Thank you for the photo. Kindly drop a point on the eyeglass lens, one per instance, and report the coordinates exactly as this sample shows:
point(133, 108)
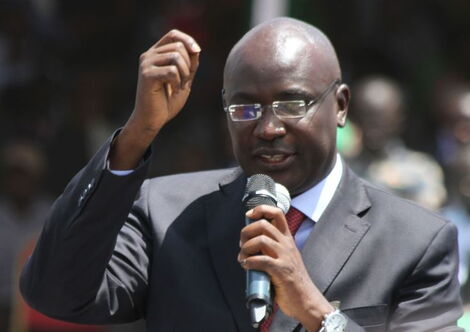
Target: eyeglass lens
point(282, 109)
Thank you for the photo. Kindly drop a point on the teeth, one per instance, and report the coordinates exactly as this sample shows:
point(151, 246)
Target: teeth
point(271, 157)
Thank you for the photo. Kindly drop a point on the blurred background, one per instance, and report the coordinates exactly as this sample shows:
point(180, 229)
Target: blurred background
point(68, 74)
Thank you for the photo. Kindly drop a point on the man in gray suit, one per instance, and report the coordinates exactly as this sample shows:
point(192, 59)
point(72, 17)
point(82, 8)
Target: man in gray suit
point(173, 249)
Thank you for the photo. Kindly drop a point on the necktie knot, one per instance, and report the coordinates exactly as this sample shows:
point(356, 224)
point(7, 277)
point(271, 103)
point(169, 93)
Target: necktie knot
point(294, 219)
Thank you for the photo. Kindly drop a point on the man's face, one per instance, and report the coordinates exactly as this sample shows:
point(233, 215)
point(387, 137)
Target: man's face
point(297, 153)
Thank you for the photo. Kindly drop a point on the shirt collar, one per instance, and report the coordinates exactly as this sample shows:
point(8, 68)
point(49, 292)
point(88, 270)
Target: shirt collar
point(313, 202)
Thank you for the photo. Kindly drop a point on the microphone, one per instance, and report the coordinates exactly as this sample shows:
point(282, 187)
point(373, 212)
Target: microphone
point(283, 198)
point(261, 189)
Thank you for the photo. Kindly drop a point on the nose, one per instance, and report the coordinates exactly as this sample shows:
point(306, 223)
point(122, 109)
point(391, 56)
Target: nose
point(269, 126)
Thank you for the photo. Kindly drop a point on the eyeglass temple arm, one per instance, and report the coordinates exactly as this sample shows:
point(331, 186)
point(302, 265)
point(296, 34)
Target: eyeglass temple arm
point(222, 95)
point(327, 91)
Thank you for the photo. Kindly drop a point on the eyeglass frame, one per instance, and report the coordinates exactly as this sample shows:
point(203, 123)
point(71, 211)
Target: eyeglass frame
point(307, 104)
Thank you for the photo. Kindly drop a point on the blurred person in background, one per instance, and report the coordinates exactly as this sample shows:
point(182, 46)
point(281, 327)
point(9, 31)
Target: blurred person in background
point(452, 113)
point(378, 110)
point(18, 47)
point(457, 210)
point(23, 209)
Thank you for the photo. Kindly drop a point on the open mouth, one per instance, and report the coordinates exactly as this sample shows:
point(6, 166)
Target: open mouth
point(275, 161)
point(273, 158)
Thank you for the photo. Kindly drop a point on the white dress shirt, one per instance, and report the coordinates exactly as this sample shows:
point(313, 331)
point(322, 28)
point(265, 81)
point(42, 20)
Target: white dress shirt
point(314, 201)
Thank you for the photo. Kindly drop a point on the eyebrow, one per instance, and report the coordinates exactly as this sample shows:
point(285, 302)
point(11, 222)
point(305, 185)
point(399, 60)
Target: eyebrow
point(283, 95)
point(243, 96)
point(295, 93)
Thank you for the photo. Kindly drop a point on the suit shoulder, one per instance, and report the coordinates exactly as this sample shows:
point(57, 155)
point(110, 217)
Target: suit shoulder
point(401, 209)
point(165, 197)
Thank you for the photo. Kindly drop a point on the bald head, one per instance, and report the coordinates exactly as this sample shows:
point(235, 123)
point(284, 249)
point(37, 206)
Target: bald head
point(378, 109)
point(281, 44)
point(278, 62)
point(378, 94)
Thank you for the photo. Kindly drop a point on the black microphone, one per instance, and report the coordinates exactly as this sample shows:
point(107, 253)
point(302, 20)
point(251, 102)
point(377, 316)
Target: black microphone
point(261, 189)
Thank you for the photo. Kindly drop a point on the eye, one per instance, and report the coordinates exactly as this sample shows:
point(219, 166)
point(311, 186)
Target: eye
point(290, 109)
point(244, 112)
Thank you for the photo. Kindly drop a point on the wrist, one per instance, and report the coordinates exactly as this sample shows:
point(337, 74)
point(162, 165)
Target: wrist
point(141, 131)
point(315, 315)
point(128, 149)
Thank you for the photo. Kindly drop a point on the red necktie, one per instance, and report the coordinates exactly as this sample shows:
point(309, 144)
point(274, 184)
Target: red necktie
point(294, 219)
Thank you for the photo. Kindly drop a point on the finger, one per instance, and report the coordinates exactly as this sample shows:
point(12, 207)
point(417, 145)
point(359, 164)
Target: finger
point(167, 59)
point(273, 213)
point(193, 69)
point(192, 60)
point(163, 74)
point(194, 63)
point(262, 244)
point(257, 228)
point(176, 35)
point(173, 47)
point(259, 262)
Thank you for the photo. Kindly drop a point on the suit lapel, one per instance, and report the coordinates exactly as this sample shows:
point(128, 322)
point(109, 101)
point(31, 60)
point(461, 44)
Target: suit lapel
point(333, 239)
point(225, 219)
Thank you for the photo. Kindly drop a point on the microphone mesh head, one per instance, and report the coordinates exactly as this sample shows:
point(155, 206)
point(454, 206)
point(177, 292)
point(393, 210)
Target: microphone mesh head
point(257, 183)
point(283, 198)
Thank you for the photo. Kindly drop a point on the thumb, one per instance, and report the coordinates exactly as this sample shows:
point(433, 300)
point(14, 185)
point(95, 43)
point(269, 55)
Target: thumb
point(194, 58)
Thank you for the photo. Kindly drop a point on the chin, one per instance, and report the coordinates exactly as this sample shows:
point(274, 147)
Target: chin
point(285, 181)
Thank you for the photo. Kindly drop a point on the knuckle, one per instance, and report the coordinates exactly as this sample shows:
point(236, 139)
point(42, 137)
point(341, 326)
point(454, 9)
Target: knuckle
point(264, 223)
point(172, 71)
point(264, 240)
point(146, 72)
point(142, 57)
point(174, 57)
point(173, 33)
point(143, 64)
point(260, 208)
point(179, 46)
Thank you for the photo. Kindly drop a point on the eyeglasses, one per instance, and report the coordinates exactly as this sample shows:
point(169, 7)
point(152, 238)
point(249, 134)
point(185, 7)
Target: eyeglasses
point(289, 109)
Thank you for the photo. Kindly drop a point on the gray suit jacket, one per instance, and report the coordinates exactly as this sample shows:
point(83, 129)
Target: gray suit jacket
point(115, 249)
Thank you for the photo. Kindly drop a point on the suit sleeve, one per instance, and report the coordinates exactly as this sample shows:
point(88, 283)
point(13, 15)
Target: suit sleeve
point(429, 299)
point(90, 263)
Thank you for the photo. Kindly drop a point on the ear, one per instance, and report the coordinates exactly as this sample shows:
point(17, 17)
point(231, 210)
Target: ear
point(222, 94)
point(343, 95)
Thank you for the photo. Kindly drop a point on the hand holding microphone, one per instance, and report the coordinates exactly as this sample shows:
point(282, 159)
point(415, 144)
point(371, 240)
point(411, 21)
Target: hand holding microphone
point(268, 250)
point(261, 189)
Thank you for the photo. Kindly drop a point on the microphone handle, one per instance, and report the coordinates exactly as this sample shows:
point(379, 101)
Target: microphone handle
point(258, 294)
